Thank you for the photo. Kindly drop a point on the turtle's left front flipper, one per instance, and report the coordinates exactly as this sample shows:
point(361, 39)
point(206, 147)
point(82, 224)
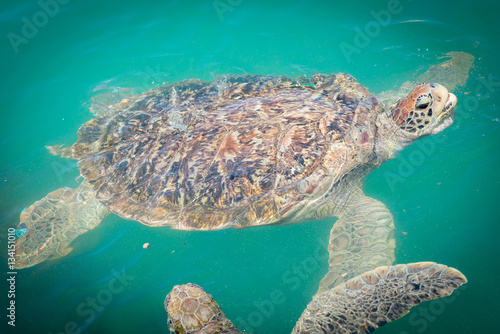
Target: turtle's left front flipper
point(377, 297)
point(191, 310)
point(362, 239)
point(52, 223)
point(451, 73)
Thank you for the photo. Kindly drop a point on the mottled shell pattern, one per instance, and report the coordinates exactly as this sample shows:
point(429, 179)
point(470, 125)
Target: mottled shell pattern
point(235, 152)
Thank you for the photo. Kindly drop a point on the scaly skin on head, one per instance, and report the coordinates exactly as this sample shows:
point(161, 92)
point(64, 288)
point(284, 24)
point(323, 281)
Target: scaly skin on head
point(428, 109)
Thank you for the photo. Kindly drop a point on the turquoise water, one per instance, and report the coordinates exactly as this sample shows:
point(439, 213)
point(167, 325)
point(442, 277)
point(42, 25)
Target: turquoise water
point(444, 203)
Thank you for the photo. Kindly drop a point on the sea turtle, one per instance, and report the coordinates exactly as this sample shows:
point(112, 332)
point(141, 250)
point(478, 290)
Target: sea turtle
point(360, 305)
point(241, 151)
point(238, 152)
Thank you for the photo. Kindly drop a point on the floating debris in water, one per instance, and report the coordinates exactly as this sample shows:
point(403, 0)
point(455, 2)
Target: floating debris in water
point(19, 232)
point(146, 245)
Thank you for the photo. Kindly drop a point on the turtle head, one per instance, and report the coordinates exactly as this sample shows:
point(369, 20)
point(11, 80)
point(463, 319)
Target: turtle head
point(428, 109)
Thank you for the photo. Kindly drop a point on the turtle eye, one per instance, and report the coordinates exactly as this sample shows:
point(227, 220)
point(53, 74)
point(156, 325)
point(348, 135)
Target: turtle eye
point(422, 106)
point(423, 101)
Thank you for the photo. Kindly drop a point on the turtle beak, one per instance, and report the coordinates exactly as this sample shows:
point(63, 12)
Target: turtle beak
point(450, 103)
point(446, 116)
point(443, 100)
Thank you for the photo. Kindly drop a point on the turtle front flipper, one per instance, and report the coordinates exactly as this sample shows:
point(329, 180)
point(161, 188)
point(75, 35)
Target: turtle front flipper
point(451, 73)
point(191, 310)
point(360, 305)
point(53, 222)
point(377, 297)
point(362, 239)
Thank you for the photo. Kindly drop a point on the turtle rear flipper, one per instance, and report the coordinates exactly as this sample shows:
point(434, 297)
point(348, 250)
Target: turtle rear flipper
point(63, 151)
point(377, 297)
point(53, 222)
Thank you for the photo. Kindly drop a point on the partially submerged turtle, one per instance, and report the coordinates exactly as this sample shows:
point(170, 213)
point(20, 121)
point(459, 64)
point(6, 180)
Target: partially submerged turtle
point(359, 305)
point(242, 151)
